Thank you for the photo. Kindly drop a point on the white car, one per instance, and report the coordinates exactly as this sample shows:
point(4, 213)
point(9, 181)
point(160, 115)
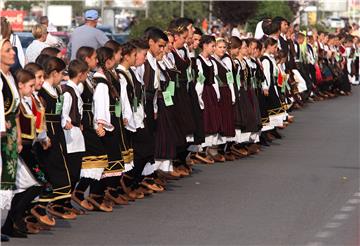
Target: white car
point(335, 22)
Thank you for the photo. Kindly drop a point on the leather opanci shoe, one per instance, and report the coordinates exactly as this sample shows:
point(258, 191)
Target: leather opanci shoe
point(166, 175)
point(31, 225)
point(82, 203)
point(61, 212)
point(229, 157)
point(118, 200)
point(204, 158)
point(239, 152)
point(218, 158)
point(45, 219)
point(103, 206)
point(160, 181)
point(145, 190)
point(152, 186)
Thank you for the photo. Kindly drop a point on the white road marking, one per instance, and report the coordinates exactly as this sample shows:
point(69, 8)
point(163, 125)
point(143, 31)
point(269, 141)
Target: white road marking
point(357, 194)
point(340, 216)
point(323, 234)
point(347, 208)
point(333, 225)
point(354, 201)
point(315, 244)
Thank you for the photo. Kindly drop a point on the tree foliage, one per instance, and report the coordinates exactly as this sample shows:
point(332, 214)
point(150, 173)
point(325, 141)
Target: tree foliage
point(234, 12)
point(77, 6)
point(162, 12)
point(270, 9)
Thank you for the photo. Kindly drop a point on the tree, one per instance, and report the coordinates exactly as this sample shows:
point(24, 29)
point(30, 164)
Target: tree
point(270, 9)
point(162, 12)
point(20, 5)
point(234, 12)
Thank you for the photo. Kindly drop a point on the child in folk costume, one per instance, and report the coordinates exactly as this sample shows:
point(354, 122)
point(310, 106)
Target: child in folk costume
point(181, 60)
point(168, 134)
point(168, 68)
point(225, 78)
point(71, 116)
point(95, 158)
point(208, 92)
point(150, 75)
point(57, 173)
point(256, 49)
point(248, 106)
point(197, 155)
point(269, 86)
point(130, 100)
point(228, 59)
point(107, 113)
point(140, 139)
point(38, 216)
point(127, 151)
point(27, 187)
point(252, 86)
point(282, 85)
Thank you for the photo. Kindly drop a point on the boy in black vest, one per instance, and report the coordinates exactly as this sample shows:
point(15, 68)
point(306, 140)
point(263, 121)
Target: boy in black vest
point(71, 118)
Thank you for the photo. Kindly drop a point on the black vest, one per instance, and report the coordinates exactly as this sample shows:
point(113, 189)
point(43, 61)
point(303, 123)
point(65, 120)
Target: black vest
point(272, 82)
point(221, 71)
point(208, 72)
point(182, 65)
point(74, 114)
point(149, 76)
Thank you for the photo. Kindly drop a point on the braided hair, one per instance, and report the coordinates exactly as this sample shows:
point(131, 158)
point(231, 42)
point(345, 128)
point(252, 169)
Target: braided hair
point(103, 55)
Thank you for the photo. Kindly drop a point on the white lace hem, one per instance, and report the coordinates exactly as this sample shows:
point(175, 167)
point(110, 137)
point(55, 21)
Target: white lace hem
point(92, 173)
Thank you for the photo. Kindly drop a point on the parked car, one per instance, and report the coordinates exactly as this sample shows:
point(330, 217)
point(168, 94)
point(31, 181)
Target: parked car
point(25, 38)
point(335, 22)
point(121, 37)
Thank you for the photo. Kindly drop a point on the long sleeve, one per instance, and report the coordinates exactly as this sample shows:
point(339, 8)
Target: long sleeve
point(266, 66)
point(21, 55)
point(170, 56)
point(2, 113)
point(101, 104)
point(228, 65)
point(127, 112)
point(199, 87)
point(216, 84)
point(125, 104)
point(66, 109)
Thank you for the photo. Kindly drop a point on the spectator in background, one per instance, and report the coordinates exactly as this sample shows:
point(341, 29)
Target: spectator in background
point(87, 34)
point(7, 33)
point(50, 39)
point(33, 51)
point(236, 31)
point(205, 25)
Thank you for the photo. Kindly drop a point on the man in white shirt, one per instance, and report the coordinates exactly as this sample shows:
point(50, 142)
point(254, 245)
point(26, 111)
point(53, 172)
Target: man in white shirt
point(50, 39)
point(34, 49)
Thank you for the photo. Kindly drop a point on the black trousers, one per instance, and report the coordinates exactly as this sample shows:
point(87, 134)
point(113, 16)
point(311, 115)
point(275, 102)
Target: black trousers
point(142, 143)
point(19, 204)
point(74, 161)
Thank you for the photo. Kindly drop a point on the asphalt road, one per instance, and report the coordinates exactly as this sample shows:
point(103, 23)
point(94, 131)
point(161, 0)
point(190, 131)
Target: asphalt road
point(303, 190)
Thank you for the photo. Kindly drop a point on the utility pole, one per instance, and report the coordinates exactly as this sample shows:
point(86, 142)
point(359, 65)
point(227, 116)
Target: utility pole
point(102, 8)
point(147, 9)
point(182, 8)
point(46, 7)
point(210, 11)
